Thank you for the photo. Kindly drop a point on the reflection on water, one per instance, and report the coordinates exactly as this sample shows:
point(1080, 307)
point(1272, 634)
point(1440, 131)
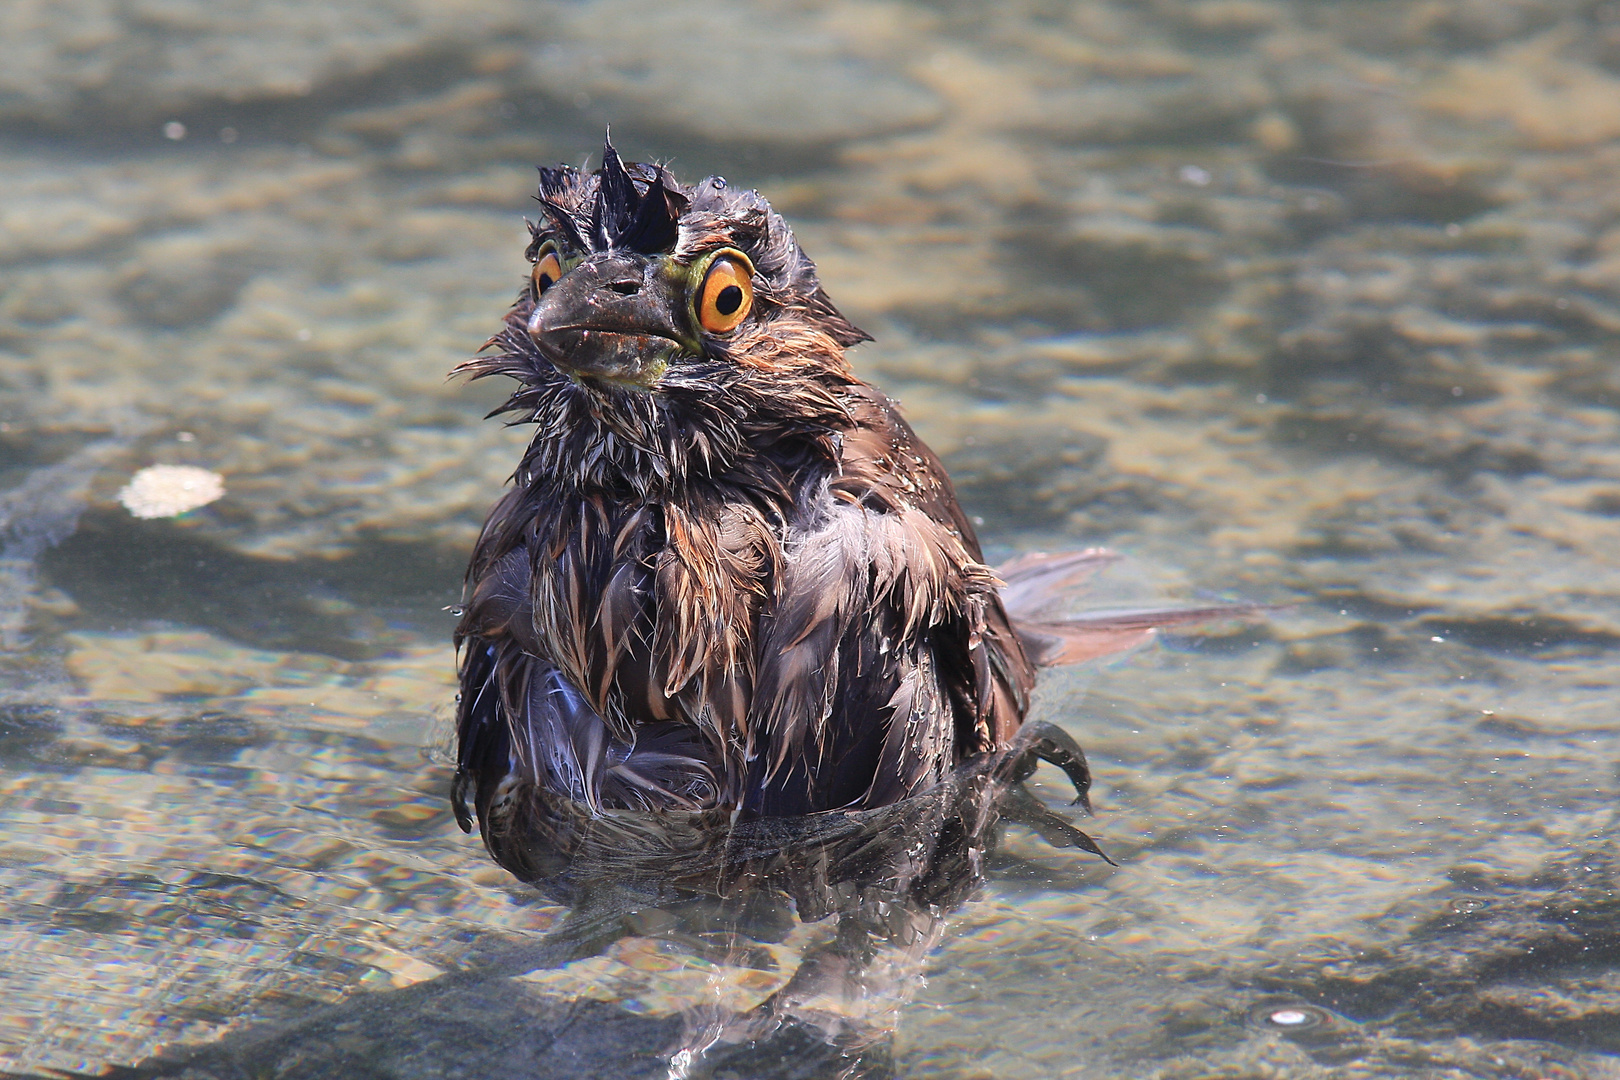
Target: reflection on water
point(1294, 302)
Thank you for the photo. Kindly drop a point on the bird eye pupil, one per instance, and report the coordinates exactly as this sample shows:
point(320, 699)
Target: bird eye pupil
point(726, 294)
point(547, 269)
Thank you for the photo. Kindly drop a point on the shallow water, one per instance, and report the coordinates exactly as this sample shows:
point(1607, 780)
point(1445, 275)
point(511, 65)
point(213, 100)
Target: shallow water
point(1305, 303)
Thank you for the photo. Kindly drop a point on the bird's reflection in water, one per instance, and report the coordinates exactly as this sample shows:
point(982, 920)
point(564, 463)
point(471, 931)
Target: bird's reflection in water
point(885, 879)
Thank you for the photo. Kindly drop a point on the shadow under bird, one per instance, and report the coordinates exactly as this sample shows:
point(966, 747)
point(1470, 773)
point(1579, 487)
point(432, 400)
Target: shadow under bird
point(729, 586)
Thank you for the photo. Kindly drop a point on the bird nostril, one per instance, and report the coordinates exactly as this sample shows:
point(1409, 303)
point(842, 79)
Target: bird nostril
point(625, 288)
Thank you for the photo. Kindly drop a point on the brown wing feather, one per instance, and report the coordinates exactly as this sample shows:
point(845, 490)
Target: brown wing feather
point(889, 455)
point(887, 657)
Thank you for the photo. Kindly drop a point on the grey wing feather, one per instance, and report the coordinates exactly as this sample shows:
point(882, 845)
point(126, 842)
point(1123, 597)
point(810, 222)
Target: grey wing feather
point(1035, 581)
point(557, 737)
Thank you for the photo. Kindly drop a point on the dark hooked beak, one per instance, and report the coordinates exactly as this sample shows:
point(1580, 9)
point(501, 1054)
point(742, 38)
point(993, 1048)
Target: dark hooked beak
point(616, 317)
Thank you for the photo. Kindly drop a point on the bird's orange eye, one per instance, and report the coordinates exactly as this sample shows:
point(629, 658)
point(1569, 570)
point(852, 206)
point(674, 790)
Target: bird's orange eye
point(726, 295)
point(547, 269)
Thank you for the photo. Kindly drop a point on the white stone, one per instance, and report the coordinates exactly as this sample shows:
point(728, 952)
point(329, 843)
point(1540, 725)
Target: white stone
point(160, 491)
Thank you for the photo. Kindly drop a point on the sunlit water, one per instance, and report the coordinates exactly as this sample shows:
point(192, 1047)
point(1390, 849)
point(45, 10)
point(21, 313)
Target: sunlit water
point(1302, 303)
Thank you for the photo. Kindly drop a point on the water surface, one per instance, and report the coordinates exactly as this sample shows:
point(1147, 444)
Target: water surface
point(1297, 302)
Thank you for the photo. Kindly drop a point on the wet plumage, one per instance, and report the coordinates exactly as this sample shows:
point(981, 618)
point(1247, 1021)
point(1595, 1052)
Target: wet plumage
point(728, 578)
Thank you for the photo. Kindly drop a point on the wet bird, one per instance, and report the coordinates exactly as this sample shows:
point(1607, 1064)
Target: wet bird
point(728, 578)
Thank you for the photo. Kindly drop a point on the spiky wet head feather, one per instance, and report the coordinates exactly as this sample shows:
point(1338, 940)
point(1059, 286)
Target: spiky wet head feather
point(643, 208)
point(770, 378)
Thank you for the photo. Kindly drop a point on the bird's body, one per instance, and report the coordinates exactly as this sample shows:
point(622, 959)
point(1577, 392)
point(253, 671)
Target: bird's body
point(746, 584)
point(729, 579)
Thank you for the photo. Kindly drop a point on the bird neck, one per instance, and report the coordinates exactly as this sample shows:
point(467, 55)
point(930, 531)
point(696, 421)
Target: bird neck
point(706, 426)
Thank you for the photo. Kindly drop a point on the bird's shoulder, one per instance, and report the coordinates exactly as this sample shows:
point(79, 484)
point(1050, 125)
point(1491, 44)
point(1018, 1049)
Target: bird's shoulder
point(878, 541)
point(884, 466)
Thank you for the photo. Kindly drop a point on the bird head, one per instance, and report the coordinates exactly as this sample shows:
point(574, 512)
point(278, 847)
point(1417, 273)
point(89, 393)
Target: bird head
point(634, 275)
point(665, 333)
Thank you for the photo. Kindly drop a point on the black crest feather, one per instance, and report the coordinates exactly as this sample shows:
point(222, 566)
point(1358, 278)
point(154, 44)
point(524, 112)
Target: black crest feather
point(555, 185)
point(636, 208)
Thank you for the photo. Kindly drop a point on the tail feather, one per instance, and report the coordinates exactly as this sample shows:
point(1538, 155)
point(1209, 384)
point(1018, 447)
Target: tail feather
point(1103, 633)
